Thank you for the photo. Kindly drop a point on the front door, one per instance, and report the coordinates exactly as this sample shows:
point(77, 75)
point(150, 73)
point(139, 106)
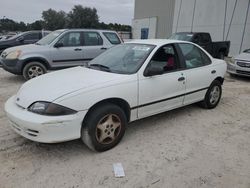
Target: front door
point(159, 93)
point(69, 52)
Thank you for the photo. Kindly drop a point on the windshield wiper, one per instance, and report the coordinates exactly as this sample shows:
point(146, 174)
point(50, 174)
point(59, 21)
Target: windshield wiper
point(37, 43)
point(101, 67)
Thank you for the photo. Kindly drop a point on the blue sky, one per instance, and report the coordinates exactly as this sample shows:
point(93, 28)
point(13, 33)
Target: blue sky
point(119, 11)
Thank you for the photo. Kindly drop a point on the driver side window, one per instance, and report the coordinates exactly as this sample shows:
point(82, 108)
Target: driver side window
point(165, 58)
point(71, 39)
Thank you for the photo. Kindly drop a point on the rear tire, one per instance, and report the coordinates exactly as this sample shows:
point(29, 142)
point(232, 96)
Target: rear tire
point(213, 95)
point(104, 127)
point(33, 69)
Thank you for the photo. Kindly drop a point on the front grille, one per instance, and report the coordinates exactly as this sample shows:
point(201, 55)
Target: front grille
point(29, 132)
point(243, 64)
point(243, 72)
point(32, 132)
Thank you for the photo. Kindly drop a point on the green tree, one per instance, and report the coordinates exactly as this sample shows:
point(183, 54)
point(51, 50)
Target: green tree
point(54, 20)
point(37, 25)
point(83, 17)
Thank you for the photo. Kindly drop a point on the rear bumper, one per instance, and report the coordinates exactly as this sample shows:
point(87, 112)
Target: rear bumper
point(13, 66)
point(44, 129)
point(237, 70)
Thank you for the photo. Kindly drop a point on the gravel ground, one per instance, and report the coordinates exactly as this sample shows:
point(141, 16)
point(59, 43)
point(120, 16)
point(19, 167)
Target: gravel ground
point(187, 147)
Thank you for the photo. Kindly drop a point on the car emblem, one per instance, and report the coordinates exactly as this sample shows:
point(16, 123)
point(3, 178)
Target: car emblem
point(18, 99)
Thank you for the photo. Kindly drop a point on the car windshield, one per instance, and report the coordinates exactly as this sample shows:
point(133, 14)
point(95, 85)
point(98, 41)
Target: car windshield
point(49, 38)
point(182, 36)
point(16, 36)
point(122, 59)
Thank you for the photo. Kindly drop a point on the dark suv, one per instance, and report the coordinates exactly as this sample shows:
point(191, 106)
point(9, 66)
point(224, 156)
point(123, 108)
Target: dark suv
point(28, 37)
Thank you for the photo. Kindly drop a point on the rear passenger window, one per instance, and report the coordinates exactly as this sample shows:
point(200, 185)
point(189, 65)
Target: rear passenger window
point(112, 37)
point(205, 38)
point(194, 57)
point(92, 39)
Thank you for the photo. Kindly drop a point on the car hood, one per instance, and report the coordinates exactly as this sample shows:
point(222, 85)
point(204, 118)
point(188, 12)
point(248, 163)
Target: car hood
point(25, 48)
point(243, 56)
point(52, 86)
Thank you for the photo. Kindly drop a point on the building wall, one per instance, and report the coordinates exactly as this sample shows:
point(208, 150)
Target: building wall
point(224, 19)
point(221, 18)
point(162, 10)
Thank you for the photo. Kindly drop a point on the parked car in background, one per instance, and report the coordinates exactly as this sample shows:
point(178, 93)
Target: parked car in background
point(216, 49)
point(28, 37)
point(128, 82)
point(5, 37)
point(60, 49)
point(240, 65)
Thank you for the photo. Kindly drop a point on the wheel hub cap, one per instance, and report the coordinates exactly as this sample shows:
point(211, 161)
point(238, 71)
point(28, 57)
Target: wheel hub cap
point(214, 95)
point(35, 71)
point(108, 129)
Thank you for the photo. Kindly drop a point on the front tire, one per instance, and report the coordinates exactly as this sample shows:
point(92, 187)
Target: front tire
point(33, 69)
point(213, 95)
point(104, 127)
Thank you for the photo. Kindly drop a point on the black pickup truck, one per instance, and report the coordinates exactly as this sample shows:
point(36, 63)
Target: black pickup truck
point(216, 49)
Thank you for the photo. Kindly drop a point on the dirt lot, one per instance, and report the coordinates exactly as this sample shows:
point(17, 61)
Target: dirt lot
point(188, 147)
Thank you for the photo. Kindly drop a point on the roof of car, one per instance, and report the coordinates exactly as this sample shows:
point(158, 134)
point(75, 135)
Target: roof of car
point(79, 29)
point(157, 42)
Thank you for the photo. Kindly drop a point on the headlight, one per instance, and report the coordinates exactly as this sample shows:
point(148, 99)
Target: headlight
point(13, 54)
point(50, 109)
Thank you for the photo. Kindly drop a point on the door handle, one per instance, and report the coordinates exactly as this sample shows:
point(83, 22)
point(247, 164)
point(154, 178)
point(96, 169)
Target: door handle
point(78, 49)
point(181, 79)
point(213, 71)
point(103, 48)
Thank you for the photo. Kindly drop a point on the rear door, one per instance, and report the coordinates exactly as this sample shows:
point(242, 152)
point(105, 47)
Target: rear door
point(70, 52)
point(199, 72)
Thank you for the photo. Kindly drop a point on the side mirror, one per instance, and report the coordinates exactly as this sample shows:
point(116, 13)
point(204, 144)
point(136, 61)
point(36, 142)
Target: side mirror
point(20, 39)
point(58, 45)
point(152, 71)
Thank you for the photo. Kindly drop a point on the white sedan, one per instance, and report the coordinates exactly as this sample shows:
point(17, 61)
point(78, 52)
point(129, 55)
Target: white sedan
point(126, 83)
point(240, 64)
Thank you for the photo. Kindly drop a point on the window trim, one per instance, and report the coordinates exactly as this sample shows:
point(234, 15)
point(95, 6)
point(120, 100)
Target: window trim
point(183, 58)
point(104, 33)
point(83, 40)
point(179, 64)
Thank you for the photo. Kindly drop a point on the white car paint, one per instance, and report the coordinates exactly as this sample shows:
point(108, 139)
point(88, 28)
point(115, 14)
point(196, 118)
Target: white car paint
point(80, 88)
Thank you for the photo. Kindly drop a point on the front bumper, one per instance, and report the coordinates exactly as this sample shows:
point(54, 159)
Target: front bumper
point(12, 65)
point(44, 129)
point(237, 70)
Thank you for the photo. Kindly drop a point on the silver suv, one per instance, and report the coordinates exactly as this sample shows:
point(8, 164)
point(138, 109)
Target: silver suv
point(60, 49)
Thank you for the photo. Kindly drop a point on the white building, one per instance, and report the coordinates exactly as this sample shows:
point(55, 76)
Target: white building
point(223, 19)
